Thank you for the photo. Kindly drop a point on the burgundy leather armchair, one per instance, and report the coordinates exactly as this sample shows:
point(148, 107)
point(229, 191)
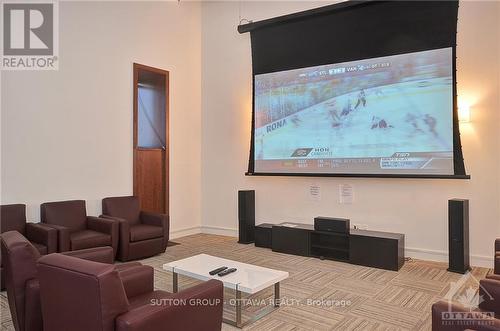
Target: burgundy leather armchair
point(43, 238)
point(98, 300)
point(75, 229)
point(23, 290)
point(482, 320)
point(142, 234)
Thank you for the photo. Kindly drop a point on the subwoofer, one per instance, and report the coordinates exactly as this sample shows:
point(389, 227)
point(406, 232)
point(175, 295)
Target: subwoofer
point(246, 216)
point(458, 235)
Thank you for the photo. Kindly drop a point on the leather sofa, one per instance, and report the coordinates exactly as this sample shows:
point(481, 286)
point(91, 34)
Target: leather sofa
point(447, 316)
point(98, 300)
point(75, 229)
point(142, 234)
point(43, 238)
point(23, 290)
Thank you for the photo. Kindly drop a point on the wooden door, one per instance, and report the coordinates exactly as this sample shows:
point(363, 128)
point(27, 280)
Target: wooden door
point(151, 161)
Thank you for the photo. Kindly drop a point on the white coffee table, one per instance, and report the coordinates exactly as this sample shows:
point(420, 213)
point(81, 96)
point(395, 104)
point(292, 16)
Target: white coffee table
point(248, 279)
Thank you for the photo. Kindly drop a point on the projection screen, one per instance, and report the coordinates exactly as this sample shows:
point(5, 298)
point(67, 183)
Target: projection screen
point(357, 89)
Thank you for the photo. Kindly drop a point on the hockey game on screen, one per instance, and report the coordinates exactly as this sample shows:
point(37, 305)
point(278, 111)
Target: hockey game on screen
point(389, 114)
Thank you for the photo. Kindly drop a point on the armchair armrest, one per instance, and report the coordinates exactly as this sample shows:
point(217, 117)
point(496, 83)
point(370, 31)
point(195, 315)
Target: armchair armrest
point(123, 235)
point(123, 225)
point(191, 316)
point(158, 220)
point(137, 280)
point(96, 254)
point(490, 325)
point(447, 317)
point(42, 234)
point(32, 305)
point(489, 291)
point(493, 276)
point(105, 225)
point(63, 234)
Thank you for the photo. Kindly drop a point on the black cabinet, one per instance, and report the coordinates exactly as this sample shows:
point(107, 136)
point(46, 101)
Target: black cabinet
point(376, 249)
point(330, 245)
point(291, 240)
point(263, 235)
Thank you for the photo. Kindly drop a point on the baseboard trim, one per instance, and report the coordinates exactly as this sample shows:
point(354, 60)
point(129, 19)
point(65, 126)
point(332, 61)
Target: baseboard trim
point(184, 232)
point(442, 256)
point(219, 230)
point(426, 254)
point(416, 253)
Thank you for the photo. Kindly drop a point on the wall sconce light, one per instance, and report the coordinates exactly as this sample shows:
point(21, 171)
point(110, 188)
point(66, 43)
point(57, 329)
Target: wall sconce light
point(464, 113)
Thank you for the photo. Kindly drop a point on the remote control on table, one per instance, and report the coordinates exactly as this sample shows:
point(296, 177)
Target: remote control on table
point(226, 272)
point(216, 271)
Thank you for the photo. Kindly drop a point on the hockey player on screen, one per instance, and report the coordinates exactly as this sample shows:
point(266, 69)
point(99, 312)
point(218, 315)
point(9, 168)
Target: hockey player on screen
point(431, 123)
point(347, 109)
point(333, 113)
point(296, 120)
point(335, 118)
point(361, 99)
point(413, 121)
point(380, 123)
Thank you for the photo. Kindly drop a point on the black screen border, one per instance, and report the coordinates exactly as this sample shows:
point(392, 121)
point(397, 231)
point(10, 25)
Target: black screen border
point(458, 167)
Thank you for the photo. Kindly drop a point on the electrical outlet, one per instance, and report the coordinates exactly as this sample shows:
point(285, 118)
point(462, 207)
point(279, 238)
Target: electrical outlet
point(360, 226)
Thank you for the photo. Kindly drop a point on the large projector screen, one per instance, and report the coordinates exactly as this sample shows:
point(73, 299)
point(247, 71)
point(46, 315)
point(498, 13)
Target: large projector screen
point(358, 88)
point(382, 115)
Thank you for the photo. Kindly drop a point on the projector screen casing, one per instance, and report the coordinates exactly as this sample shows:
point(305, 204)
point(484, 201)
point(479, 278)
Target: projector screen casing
point(352, 31)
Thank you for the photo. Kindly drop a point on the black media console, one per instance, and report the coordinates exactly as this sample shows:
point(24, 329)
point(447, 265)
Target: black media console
point(376, 249)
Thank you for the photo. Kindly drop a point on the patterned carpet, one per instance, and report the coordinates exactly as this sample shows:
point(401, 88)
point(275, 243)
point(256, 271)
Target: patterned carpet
point(318, 295)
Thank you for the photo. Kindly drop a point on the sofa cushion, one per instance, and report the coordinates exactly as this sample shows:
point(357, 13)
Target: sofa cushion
point(149, 298)
point(142, 232)
point(71, 214)
point(13, 218)
point(78, 294)
point(88, 239)
point(127, 208)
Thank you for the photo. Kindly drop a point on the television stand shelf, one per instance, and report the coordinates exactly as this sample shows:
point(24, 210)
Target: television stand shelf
point(330, 245)
point(376, 249)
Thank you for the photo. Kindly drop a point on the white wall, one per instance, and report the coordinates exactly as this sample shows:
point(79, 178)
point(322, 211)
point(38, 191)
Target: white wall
point(417, 208)
point(67, 134)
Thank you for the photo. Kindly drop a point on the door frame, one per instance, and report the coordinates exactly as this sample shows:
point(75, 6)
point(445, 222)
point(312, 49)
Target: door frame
point(166, 159)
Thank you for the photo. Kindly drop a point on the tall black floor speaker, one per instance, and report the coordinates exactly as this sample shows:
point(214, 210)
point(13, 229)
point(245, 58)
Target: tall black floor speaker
point(246, 216)
point(458, 235)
